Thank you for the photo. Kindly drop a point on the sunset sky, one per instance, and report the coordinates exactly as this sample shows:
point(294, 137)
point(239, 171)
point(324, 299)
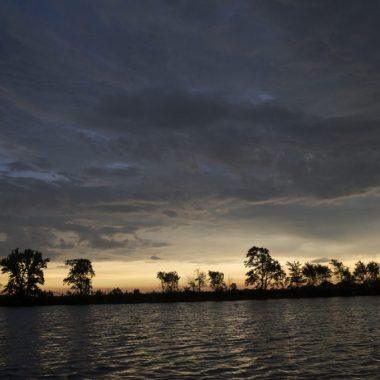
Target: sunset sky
point(174, 135)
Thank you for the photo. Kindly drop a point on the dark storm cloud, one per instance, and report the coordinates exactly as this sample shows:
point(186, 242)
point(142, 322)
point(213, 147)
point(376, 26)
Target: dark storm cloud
point(19, 166)
point(111, 172)
point(177, 109)
point(126, 113)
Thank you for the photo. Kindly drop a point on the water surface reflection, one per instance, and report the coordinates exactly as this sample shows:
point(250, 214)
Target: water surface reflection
point(309, 338)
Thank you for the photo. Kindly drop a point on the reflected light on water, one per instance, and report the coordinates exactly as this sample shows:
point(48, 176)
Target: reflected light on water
point(309, 338)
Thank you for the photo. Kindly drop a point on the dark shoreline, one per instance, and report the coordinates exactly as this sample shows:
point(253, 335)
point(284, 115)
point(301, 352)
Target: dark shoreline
point(324, 291)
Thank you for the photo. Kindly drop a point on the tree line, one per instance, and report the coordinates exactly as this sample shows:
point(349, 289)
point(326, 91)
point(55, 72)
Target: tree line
point(197, 282)
point(265, 272)
point(25, 271)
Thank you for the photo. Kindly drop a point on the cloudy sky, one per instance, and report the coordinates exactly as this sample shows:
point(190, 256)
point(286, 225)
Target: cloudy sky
point(149, 135)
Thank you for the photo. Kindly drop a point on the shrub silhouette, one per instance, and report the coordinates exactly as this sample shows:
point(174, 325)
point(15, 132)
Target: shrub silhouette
point(116, 292)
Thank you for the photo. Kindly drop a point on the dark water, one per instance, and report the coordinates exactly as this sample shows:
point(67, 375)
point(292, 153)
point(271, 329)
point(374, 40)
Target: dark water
point(289, 339)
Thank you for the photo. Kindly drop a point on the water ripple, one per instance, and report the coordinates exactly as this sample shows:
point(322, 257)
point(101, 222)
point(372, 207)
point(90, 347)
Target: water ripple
point(276, 339)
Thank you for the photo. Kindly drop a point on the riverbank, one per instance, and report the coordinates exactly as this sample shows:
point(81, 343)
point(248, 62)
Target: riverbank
point(327, 290)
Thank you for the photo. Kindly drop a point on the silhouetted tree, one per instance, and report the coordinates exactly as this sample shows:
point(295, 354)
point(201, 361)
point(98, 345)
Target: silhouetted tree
point(80, 275)
point(360, 272)
point(295, 277)
point(216, 280)
point(25, 270)
point(265, 270)
point(373, 271)
point(200, 279)
point(192, 285)
point(197, 281)
point(161, 276)
point(310, 273)
point(323, 273)
point(116, 292)
point(315, 274)
point(340, 271)
point(233, 287)
point(169, 281)
point(279, 278)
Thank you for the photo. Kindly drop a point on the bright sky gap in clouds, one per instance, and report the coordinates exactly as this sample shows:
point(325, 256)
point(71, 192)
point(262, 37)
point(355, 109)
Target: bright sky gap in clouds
point(160, 135)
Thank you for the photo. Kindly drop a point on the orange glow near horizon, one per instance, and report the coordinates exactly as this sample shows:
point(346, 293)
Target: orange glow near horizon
point(142, 274)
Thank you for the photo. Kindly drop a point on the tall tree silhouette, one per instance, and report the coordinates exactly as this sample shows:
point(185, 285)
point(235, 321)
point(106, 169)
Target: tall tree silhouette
point(80, 275)
point(169, 281)
point(265, 270)
point(340, 271)
point(310, 273)
point(366, 273)
point(373, 271)
point(192, 284)
point(315, 274)
point(323, 273)
point(216, 280)
point(197, 281)
point(295, 277)
point(200, 279)
point(25, 270)
point(360, 272)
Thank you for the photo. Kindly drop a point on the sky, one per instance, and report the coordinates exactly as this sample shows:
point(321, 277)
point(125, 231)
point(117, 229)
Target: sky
point(175, 135)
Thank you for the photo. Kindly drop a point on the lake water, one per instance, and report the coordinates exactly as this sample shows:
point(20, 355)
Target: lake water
point(337, 338)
